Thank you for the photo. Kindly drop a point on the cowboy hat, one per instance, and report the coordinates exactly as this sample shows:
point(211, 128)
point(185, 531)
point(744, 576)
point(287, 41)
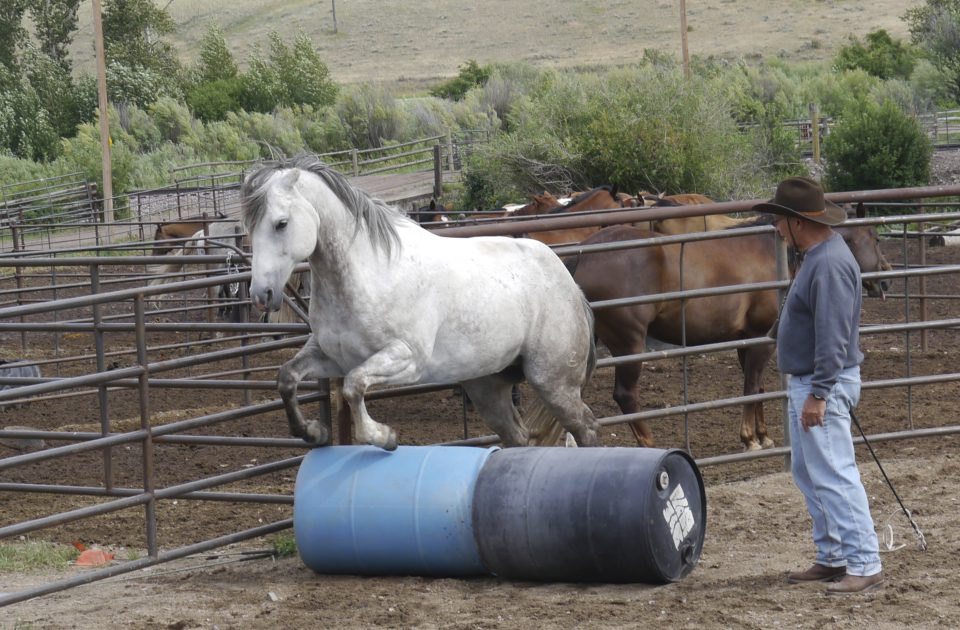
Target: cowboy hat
point(803, 197)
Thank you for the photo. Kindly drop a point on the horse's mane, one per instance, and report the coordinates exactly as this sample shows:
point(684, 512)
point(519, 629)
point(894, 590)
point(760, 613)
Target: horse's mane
point(379, 218)
point(610, 189)
point(764, 218)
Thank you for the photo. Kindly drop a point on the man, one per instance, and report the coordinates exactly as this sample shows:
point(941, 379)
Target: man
point(818, 348)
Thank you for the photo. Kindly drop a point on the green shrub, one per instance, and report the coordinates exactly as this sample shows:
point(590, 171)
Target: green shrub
point(273, 135)
point(470, 75)
point(879, 55)
point(174, 121)
point(371, 115)
point(225, 140)
point(14, 170)
point(876, 146)
point(82, 154)
point(212, 100)
point(321, 129)
point(142, 128)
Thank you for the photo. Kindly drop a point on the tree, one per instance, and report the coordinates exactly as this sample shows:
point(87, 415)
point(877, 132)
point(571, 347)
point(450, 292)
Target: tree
point(301, 76)
point(307, 78)
point(12, 33)
point(54, 24)
point(286, 77)
point(215, 62)
point(132, 32)
point(880, 55)
point(935, 29)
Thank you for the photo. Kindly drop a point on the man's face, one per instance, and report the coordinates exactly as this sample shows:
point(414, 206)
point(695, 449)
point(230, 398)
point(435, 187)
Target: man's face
point(785, 230)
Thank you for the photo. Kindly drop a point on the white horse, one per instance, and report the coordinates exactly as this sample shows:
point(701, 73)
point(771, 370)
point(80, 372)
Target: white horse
point(393, 304)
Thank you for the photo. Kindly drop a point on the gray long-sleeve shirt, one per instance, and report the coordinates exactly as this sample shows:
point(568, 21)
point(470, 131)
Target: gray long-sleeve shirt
point(819, 326)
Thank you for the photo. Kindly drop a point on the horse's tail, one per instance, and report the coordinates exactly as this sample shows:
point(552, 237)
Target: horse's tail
point(592, 356)
point(542, 426)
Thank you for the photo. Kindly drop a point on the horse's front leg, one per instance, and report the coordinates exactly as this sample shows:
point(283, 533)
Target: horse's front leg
point(395, 364)
point(309, 362)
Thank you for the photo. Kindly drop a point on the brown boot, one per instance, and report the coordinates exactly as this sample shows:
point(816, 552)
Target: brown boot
point(817, 573)
point(852, 584)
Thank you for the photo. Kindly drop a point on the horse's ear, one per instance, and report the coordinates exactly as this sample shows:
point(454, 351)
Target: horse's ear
point(290, 177)
point(861, 211)
point(613, 191)
point(433, 205)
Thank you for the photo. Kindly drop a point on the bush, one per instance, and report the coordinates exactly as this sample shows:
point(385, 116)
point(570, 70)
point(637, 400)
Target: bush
point(274, 135)
point(371, 115)
point(880, 56)
point(212, 100)
point(876, 146)
point(471, 75)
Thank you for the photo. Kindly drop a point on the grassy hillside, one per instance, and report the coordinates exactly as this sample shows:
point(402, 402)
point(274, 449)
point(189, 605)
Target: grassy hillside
point(410, 42)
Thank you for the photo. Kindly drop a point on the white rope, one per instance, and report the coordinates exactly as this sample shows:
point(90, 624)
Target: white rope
point(886, 535)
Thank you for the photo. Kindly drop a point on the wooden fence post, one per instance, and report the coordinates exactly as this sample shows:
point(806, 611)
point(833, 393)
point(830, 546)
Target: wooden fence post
point(450, 164)
point(815, 132)
point(437, 172)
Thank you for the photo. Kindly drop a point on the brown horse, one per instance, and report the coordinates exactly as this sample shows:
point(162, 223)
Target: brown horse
point(600, 198)
point(207, 237)
point(686, 225)
point(714, 263)
point(184, 229)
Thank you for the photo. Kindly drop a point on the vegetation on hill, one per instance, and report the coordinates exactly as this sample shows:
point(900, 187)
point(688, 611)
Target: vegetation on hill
point(642, 126)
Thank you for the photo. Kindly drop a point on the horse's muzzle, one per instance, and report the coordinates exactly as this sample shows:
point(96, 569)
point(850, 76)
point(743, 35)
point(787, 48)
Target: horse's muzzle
point(877, 289)
point(265, 299)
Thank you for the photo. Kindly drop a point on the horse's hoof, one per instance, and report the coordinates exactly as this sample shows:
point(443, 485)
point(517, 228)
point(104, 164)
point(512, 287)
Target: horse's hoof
point(316, 434)
point(752, 446)
point(391, 443)
point(767, 443)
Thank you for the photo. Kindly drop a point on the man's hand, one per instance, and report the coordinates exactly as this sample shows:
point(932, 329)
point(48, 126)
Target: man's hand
point(813, 410)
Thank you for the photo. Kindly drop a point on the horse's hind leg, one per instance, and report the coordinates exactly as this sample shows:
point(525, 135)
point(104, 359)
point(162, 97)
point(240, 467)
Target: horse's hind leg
point(491, 395)
point(309, 362)
point(559, 389)
point(563, 402)
point(753, 428)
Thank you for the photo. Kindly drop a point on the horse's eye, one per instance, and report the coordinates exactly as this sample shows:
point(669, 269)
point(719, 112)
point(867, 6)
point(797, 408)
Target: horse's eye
point(281, 224)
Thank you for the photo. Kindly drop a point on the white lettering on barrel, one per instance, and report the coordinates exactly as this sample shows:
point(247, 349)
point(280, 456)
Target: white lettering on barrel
point(678, 516)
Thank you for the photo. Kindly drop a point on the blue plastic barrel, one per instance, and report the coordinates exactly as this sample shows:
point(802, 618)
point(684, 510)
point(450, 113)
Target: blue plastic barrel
point(365, 511)
point(590, 514)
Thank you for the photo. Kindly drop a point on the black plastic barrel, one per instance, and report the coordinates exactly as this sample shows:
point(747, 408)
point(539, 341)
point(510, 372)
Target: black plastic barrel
point(590, 514)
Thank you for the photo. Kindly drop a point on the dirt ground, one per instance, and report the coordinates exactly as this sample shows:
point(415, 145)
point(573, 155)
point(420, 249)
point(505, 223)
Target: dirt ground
point(757, 527)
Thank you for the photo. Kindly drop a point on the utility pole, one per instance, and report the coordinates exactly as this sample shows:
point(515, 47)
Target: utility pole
point(104, 121)
point(333, 3)
point(683, 38)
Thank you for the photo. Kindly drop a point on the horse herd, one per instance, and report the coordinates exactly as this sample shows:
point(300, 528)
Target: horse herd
point(402, 305)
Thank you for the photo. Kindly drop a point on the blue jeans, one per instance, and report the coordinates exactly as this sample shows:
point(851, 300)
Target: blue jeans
point(825, 471)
